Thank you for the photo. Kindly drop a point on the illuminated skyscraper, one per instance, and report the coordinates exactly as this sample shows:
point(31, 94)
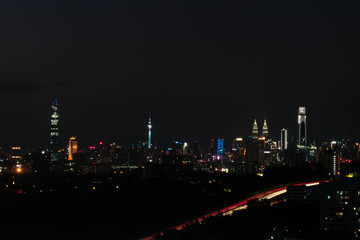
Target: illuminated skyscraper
point(302, 140)
point(333, 161)
point(265, 131)
point(284, 139)
point(54, 132)
point(73, 147)
point(149, 127)
point(220, 149)
point(255, 131)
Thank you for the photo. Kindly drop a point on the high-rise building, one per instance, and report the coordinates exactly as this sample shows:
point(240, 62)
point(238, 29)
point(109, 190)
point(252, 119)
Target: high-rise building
point(265, 131)
point(261, 149)
point(335, 158)
point(238, 149)
point(339, 206)
point(284, 139)
point(220, 149)
point(238, 144)
point(330, 158)
point(149, 128)
point(252, 149)
point(54, 132)
point(73, 147)
point(255, 131)
point(302, 138)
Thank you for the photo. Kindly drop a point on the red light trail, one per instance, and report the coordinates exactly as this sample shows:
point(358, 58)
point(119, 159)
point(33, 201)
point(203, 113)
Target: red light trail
point(238, 206)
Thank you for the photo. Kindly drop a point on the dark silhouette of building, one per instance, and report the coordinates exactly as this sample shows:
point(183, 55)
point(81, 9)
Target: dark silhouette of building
point(339, 205)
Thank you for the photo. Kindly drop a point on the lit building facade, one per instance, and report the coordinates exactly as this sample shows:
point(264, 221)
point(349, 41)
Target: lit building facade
point(265, 130)
point(238, 151)
point(331, 158)
point(54, 132)
point(16, 153)
point(73, 148)
point(16, 157)
point(255, 130)
point(220, 149)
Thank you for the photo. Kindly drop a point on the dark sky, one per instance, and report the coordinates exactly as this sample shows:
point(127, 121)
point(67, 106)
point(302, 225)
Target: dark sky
point(204, 68)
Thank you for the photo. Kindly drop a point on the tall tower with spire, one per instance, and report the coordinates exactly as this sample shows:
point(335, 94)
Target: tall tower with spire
point(54, 132)
point(255, 131)
point(302, 138)
point(265, 131)
point(149, 128)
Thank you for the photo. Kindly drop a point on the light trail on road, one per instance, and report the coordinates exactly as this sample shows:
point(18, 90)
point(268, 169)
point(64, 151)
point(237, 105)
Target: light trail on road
point(239, 206)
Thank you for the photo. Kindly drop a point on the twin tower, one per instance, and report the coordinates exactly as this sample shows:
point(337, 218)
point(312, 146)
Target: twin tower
point(255, 131)
point(302, 134)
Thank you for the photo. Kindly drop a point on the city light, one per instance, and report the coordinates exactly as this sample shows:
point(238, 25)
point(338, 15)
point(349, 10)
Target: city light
point(228, 211)
point(176, 160)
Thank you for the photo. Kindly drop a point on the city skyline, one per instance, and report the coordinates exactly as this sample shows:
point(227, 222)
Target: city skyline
point(180, 119)
point(201, 76)
point(275, 134)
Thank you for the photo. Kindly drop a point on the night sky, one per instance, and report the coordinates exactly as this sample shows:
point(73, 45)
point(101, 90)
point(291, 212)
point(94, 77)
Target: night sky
point(205, 69)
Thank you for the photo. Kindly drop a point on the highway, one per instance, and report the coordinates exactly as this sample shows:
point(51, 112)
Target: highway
point(269, 194)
